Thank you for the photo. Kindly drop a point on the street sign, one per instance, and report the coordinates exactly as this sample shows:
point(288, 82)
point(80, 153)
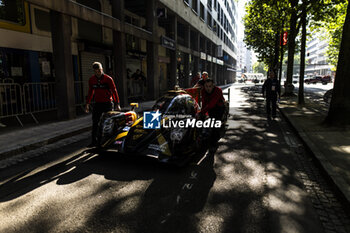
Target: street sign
point(167, 42)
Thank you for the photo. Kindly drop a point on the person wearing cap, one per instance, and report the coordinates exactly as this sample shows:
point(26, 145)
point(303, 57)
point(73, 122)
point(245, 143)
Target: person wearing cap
point(204, 75)
point(201, 81)
point(104, 92)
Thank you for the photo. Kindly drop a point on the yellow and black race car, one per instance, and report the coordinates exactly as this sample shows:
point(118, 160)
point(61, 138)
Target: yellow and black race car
point(178, 137)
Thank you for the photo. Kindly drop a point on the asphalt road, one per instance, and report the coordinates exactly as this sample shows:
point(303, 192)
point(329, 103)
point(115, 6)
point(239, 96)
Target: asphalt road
point(254, 182)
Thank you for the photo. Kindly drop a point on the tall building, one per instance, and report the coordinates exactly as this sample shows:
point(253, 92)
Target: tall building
point(53, 44)
point(245, 56)
point(316, 57)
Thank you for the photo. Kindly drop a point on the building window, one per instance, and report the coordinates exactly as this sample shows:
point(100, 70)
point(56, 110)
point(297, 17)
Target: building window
point(209, 20)
point(209, 4)
point(132, 43)
point(219, 12)
point(215, 4)
point(12, 11)
point(85, 28)
point(225, 23)
point(222, 17)
point(202, 12)
point(42, 20)
point(187, 2)
point(195, 5)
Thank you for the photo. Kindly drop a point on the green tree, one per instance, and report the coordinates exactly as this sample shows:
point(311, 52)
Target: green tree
point(339, 109)
point(293, 10)
point(332, 25)
point(300, 13)
point(260, 67)
point(315, 11)
point(263, 24)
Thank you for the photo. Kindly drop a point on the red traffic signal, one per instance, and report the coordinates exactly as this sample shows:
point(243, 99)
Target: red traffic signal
point(284, 38)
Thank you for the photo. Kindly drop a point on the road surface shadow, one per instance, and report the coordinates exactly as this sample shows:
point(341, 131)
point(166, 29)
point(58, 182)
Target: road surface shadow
point(249, 184)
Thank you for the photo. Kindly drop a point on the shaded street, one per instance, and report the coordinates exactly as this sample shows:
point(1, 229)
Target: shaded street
point(257, 180)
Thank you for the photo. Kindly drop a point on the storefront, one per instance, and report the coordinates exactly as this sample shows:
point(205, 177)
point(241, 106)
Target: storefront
point(23, 66)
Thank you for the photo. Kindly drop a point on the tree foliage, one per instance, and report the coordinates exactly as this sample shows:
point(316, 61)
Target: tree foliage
point(332, 26)
point(339, 110)
point(260, 67)
point(262, 22)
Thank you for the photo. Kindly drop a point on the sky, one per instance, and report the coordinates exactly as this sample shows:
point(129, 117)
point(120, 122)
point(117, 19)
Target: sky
point(241, 13)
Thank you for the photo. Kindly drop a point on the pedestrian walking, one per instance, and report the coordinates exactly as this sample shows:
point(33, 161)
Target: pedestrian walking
point(195, 79)
point(271, 91)
point(104, 92)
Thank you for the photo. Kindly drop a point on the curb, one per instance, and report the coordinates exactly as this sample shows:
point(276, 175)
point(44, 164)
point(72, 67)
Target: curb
point(25, 148)
point(324, 164)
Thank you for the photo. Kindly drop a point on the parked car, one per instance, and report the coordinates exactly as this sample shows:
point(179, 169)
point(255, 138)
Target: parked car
point(314, 80)
point(326, 79)
point(295, 79)
point(319, 79)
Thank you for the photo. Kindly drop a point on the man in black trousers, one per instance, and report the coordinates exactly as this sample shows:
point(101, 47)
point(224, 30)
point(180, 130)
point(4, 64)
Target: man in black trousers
point(271, 90)
point(102, 89)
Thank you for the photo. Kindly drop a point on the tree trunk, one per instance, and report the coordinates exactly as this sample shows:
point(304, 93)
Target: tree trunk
point(276, 55)
point(339, 110)
point(281, 61)
point(291, 50)
point(302, 59)
point(281, 65)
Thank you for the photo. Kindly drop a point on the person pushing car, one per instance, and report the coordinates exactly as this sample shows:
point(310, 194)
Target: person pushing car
point(104, 92)
point(212, 100)
point(213, 104)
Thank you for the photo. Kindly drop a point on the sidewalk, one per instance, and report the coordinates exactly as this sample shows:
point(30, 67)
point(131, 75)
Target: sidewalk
point(330, 145)
point(22, 140)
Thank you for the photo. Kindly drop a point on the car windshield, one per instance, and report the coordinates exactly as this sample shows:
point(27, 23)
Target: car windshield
point(162, 104)
point(171, 105)
point(177, 105)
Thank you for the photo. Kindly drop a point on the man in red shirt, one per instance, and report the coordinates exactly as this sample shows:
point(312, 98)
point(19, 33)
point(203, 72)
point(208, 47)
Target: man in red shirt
point(213, 104)
point(195, 79)
point(212, 100)
point(104, 92)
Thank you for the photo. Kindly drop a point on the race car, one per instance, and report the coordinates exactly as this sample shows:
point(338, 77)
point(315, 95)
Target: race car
point(122, 132)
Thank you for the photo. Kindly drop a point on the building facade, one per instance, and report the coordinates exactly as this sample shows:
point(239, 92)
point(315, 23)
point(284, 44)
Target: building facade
point(245, 59)
point(316, 57)
point(55, 42)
